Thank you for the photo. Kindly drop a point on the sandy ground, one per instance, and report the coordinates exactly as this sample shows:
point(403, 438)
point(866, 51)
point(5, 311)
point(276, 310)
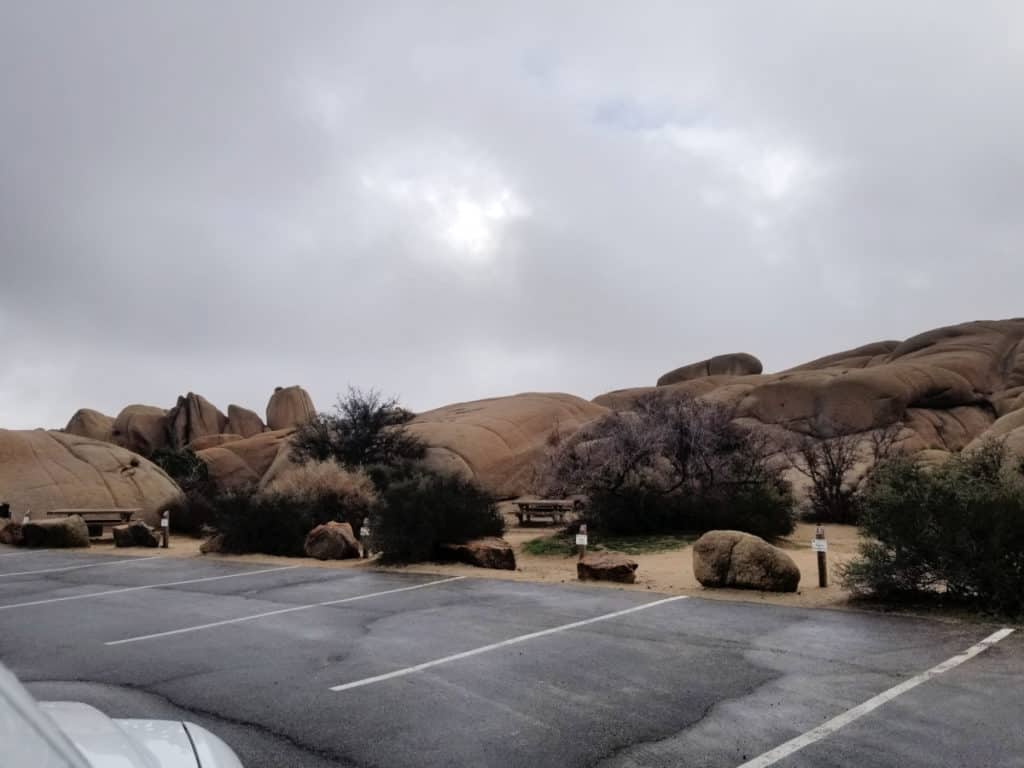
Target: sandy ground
point(670, 572)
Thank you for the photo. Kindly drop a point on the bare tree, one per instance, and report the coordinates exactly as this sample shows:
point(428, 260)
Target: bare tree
point(831, 466)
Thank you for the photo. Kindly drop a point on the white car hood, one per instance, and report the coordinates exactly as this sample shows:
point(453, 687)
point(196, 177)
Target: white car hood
point(109, 743)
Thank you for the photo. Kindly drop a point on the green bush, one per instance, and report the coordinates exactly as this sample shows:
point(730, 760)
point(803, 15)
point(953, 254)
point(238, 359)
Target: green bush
point(277, 522)
point(192, 512)
point(956, 531)
point(420, 510)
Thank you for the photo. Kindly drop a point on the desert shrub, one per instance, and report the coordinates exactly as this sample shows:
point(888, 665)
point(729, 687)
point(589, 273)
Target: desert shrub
point(363, 430)
point(327, 485)
point(193, 510)
point(956, 530)
point(420, 510)
point(673, 464)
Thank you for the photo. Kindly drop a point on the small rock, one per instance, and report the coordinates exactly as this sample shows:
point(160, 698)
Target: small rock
point(490, 552)
point(212, 545)
point(63, 532)
point(10, 533)
point(136, 534)
point(606, 566)
point(332, 541)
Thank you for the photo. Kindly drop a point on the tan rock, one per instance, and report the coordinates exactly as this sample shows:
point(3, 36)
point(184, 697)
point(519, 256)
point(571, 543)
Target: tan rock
point(242, 421)
point(606, 566)
point(42, 471)
point(92, 424)
point(212, 441)
point(10, 533)
point(244, 462)
point(500, 440)
point(213, 545)
point(743, 561)
point(289, 407)
point(332, 541)
point(59, 533)
point(736, 364)
point(141, 429)
point(489, 552)
point(135, 534)
point(193, 417)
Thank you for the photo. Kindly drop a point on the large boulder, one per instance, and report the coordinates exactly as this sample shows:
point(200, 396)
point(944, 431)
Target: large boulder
point(499, 441)
point(489, 552)
point(244, 462)
point(193, 417)
point(64, 532)
point(42, 471)
point(743, 561)
point(606, 566)
point(735, 364)
point(93, 424)
point(141, 429)
point(135, 534)
point(289, 407)
point(242, 421)
point(332, 541)
point(212, 441)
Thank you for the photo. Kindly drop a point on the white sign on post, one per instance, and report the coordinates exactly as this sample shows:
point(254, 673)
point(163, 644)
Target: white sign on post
point(819, 545)
point(364, 532)
point(581, 539)
point(165, 523)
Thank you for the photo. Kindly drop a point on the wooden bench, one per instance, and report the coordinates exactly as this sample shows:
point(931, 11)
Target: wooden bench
point(97, 519)
point(556, 509)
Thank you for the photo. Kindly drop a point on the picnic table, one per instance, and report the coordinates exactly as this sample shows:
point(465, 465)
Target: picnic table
point(96, 519)
point(556, 509)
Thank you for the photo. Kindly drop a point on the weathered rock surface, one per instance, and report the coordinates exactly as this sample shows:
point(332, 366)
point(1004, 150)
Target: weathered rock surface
point(289, 407)
point(92, 424)
point(193, 417)
point(332, 541)
point(141, 429)
point(212, 441)
point(500, 440)
point(244, 462)
point(743, 561)
point(65, 532)
point(242, 421)
point(946, 387)
point(42, 471)
point(135, 534)
point(735, 364)
point(606, 566)
point(489, 552)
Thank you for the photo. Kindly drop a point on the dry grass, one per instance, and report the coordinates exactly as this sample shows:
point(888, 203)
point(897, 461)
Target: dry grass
point(317, 479)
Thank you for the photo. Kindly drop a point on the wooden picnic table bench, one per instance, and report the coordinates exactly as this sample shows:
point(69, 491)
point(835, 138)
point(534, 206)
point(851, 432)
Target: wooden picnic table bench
point(96, 519)
point(556, 509)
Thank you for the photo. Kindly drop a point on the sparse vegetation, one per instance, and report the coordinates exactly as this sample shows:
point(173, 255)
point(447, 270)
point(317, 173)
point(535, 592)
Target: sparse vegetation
point(955, 532)
point(365, 429)
point(348, 494)
point(564, 544)
point(832, 467)
point(195, 508)
point(674, 464)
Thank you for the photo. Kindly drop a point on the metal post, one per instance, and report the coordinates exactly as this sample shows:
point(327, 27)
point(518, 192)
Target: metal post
point(822, 550)
point(165, 530)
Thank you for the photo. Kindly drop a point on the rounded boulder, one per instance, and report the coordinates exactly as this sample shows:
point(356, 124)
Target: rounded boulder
point(743, 561)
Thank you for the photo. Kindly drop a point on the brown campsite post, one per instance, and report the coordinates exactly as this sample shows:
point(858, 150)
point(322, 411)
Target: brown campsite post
point(583, 547)
point(819, 535)
point(165, 530)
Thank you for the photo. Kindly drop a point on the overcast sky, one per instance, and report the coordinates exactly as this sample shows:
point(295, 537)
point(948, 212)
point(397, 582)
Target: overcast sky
point(449, 201)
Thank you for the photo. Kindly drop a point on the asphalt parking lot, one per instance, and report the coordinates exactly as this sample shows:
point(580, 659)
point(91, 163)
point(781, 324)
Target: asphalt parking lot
point(300, 666)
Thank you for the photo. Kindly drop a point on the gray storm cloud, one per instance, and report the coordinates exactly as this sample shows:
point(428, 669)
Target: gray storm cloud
point(450, 202)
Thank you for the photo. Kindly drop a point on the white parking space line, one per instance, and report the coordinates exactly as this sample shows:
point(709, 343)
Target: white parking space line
point(15, 554)
point(280, 611)
point(850, 715)
point(502, 644)
point(79, 567)
point(121, 590)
